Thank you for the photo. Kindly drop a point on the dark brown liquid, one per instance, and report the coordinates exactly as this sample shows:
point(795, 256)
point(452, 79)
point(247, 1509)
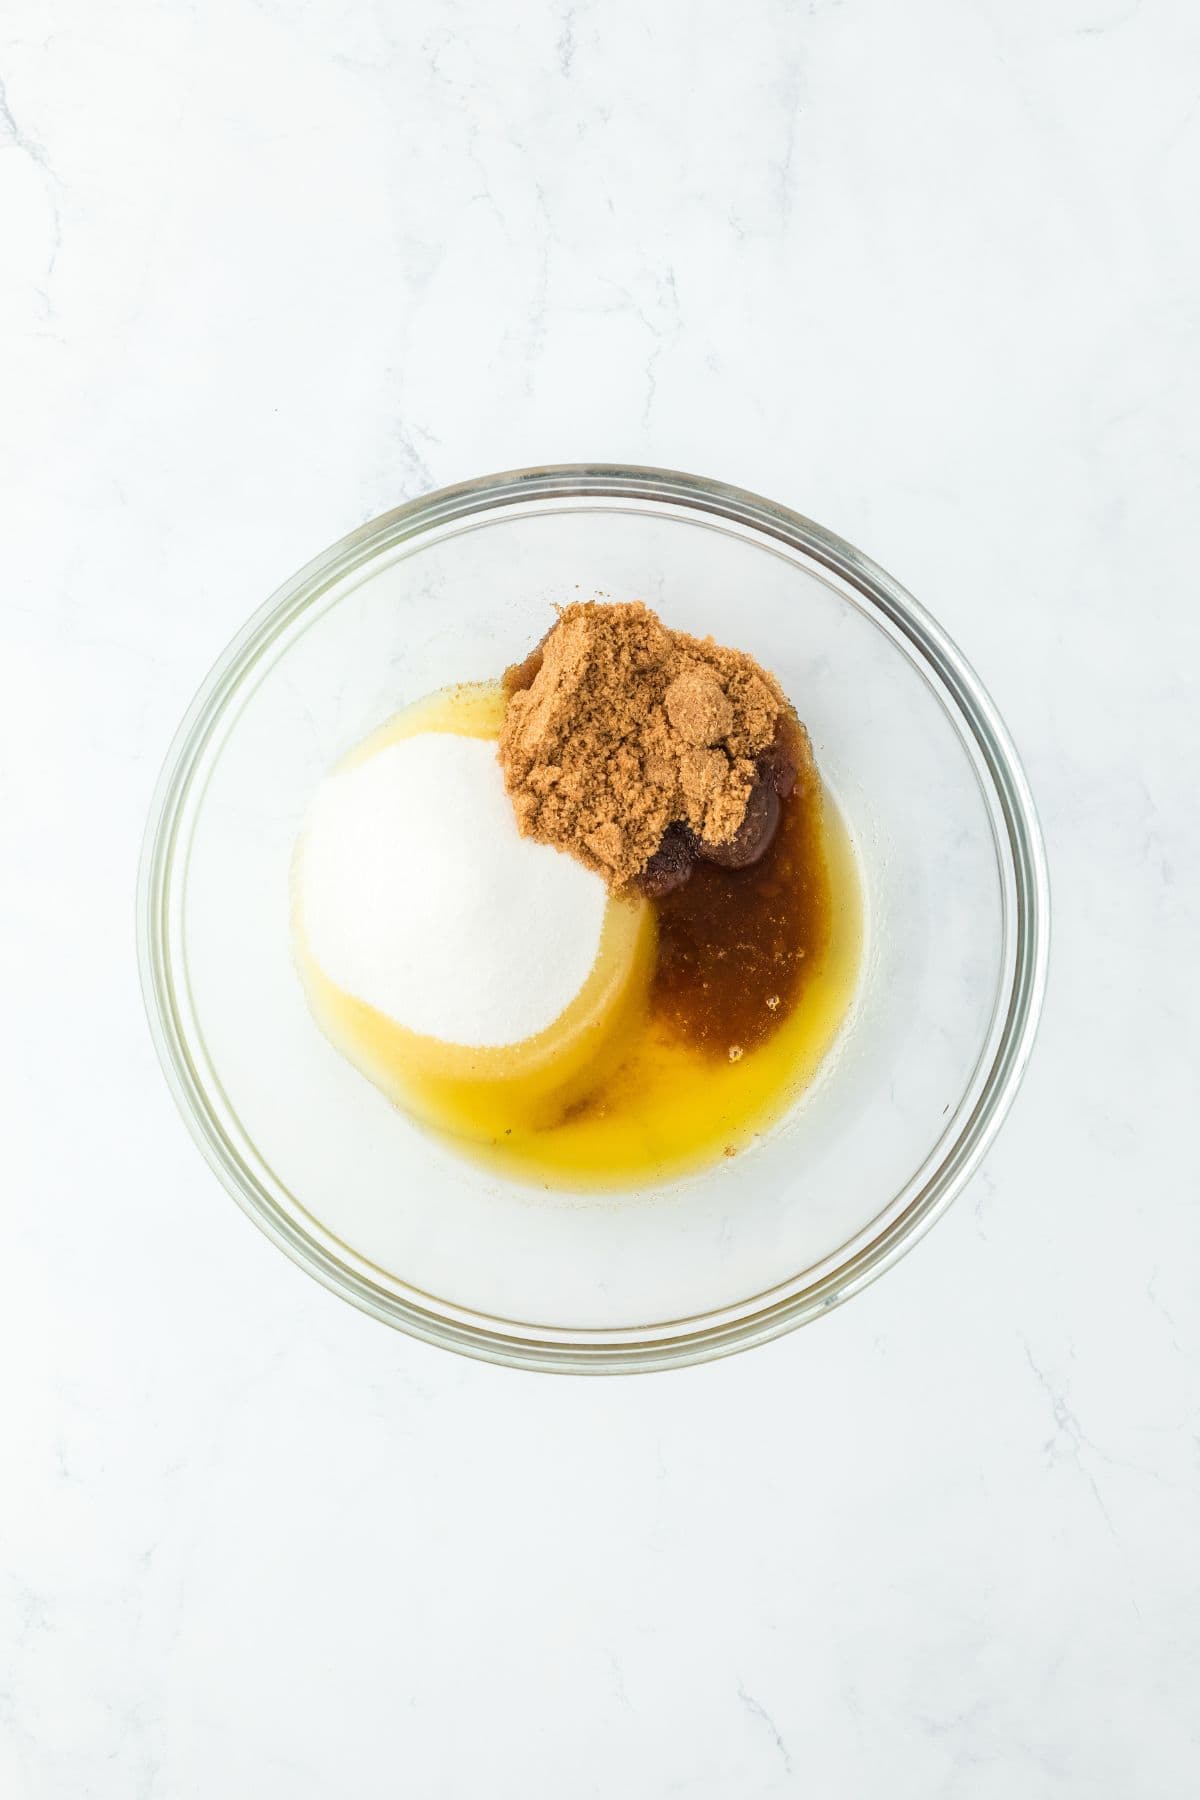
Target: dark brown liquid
point(735, 946)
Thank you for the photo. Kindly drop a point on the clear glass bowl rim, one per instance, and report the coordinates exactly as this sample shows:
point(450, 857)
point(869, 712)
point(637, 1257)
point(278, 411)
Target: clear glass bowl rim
point(762, 1316)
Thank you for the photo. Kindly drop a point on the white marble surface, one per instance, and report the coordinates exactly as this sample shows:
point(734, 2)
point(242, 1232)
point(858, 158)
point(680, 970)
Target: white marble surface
point(928, 272)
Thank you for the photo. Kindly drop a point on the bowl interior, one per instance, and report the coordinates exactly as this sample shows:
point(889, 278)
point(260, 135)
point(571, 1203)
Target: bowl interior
point(351, 1184)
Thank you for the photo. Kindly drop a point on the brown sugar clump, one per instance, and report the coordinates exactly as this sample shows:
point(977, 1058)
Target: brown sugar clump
point(699, 708)
point(618, 732)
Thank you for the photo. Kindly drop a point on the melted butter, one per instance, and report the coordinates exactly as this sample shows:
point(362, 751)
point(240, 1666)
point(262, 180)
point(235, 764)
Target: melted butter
point(635, 1081)
point(669, 1105)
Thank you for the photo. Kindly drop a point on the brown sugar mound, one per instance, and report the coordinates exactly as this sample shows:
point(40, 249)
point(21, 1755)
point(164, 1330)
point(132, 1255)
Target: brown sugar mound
point(617, 730)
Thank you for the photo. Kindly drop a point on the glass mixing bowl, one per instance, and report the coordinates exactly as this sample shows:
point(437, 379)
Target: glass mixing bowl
point(451, 588)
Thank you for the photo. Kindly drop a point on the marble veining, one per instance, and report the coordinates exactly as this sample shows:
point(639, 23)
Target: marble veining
point(928, 273)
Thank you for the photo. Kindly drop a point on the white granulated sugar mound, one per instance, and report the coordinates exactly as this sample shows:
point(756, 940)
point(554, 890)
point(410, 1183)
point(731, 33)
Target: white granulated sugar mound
point(418, 895)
